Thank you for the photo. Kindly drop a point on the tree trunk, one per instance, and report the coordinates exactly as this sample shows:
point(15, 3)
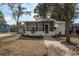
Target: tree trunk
point(17, 25)
point(67, 32)
point(67, 23)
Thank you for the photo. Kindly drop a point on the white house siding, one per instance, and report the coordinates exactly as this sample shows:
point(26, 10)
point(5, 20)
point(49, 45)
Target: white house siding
point(61, 27)
point(40, 33)
point(36, 33)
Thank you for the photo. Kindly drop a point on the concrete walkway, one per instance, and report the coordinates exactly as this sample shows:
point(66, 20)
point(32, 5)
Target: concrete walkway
point(55, 48)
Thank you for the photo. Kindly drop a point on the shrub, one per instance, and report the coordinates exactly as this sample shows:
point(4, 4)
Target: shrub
point(33, 30)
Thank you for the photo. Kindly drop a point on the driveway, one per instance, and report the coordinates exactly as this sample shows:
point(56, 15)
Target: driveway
point(6, 34)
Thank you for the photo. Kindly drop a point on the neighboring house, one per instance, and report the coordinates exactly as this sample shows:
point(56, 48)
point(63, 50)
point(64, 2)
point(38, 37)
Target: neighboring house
point(4, 28)
point(42, 27)
point(74, 27)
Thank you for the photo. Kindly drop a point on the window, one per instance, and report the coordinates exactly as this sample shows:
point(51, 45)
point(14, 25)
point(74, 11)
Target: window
point(51, 26)
point(40, 26)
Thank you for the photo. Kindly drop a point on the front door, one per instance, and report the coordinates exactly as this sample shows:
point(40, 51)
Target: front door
point(46, 29)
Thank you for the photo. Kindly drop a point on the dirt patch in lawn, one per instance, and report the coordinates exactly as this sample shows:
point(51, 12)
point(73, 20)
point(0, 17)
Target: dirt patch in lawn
point(74, 48)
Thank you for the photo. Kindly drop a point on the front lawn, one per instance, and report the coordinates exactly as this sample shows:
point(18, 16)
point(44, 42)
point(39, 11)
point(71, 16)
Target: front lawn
point(26, 47)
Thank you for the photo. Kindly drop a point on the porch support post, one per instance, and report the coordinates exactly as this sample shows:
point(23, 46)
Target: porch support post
point(25, 28)
point(38, 26)
point(44, 27)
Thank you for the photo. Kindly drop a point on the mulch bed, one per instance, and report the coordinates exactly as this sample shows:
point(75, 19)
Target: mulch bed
point(31, 37)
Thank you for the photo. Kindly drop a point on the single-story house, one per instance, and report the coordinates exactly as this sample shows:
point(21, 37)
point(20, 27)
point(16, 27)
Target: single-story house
point(4, 28)
point(42, 27)
point(74, 27)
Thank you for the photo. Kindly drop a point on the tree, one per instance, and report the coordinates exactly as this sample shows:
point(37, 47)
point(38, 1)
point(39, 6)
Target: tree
point(55, 14)
point(2, 20)
point(66, 13)
point(62, 12)
point(17, 11)
point(42, 10)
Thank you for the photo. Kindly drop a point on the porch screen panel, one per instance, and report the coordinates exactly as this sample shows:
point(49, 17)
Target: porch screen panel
point(36, 26)
point(27, 26)
point(31, 26)
point(40, 26)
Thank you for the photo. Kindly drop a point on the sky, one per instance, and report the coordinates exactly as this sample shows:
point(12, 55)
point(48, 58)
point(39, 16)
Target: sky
point(30, 6)
point(7, 13)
